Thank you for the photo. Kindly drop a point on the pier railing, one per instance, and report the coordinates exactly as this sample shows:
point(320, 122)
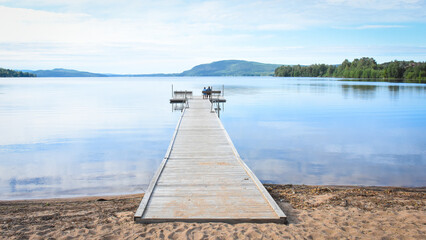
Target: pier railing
point(180, 101)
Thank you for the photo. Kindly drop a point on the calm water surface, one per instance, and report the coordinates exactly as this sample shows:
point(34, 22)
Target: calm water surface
point(63, 137)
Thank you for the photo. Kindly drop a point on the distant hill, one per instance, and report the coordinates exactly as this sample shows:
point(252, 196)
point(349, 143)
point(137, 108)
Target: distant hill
point(219, 68)
point(61, 72)
point(232, 68)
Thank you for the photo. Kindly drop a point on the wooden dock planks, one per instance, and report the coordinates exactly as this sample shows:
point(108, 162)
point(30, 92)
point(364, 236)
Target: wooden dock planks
point(203, 179)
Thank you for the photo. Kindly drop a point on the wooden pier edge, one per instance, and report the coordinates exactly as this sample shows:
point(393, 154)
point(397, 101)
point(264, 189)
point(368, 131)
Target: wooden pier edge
point(145, 200)
point(208, 220)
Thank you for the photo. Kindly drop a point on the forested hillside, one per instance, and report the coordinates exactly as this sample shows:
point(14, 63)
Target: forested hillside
point(11, 73)
point(358, 68)
point(232, 68)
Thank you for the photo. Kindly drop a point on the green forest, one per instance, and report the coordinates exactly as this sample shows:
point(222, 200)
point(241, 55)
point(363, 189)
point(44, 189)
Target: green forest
point(365, 67)
point(12, 73)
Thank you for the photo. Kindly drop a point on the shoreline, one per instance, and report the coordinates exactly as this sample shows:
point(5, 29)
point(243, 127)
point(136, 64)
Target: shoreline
point(75, 199)
point(312, 212)
point(127, 195)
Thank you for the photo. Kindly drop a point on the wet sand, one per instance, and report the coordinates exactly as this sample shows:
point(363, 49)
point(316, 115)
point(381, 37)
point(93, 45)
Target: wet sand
point(314, 212)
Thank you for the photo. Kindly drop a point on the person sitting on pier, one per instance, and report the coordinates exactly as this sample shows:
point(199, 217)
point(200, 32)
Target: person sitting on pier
point(209, 92)
point(204, 93)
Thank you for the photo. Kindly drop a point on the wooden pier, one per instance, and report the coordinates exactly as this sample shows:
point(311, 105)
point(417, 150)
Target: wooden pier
point(203, 179)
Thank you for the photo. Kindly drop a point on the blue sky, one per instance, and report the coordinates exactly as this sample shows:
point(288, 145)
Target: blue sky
point(138, 36)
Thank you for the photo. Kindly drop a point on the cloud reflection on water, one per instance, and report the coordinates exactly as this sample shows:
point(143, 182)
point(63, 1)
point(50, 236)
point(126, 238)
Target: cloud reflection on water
point(311, 133)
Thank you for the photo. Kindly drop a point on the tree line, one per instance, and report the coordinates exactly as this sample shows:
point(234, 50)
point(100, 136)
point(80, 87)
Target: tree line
point(358, 68)
point(12, 73)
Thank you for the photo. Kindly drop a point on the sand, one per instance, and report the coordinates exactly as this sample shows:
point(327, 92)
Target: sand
point(314, 212)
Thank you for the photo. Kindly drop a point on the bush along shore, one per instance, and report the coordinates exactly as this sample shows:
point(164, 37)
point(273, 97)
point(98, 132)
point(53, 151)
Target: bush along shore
point(365, 68)
point(12, 73)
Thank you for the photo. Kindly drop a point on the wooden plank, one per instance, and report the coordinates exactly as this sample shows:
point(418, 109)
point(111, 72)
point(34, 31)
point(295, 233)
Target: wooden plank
point(203, 179)
point(181, 92)
point(177, 100)
point(211, 91)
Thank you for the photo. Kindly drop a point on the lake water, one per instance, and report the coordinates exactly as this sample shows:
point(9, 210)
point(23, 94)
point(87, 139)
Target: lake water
point(62, 137)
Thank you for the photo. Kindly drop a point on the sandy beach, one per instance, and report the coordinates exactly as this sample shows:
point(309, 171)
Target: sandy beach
point(314, 212)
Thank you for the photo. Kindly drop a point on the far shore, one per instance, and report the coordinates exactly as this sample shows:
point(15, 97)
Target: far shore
point(314, 212)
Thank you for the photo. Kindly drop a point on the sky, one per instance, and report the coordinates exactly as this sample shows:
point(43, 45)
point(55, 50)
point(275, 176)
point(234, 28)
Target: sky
point(139, 36)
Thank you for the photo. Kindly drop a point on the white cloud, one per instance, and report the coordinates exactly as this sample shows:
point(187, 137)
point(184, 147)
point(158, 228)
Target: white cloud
point(374, 26)
point(379, 26)
point(179, 33)
point(379, 4)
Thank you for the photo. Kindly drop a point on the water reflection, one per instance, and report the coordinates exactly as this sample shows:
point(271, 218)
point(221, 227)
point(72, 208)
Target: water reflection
point(365, 92)
point(238, 89)
point(319, 88)
point(339, 169)
point(393, 92)
point(19, 185)
point(63, 137)
point(313, 134)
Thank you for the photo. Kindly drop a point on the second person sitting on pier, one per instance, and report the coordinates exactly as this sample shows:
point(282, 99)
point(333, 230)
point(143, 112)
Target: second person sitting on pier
point(209, 92)
point(204, 93)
